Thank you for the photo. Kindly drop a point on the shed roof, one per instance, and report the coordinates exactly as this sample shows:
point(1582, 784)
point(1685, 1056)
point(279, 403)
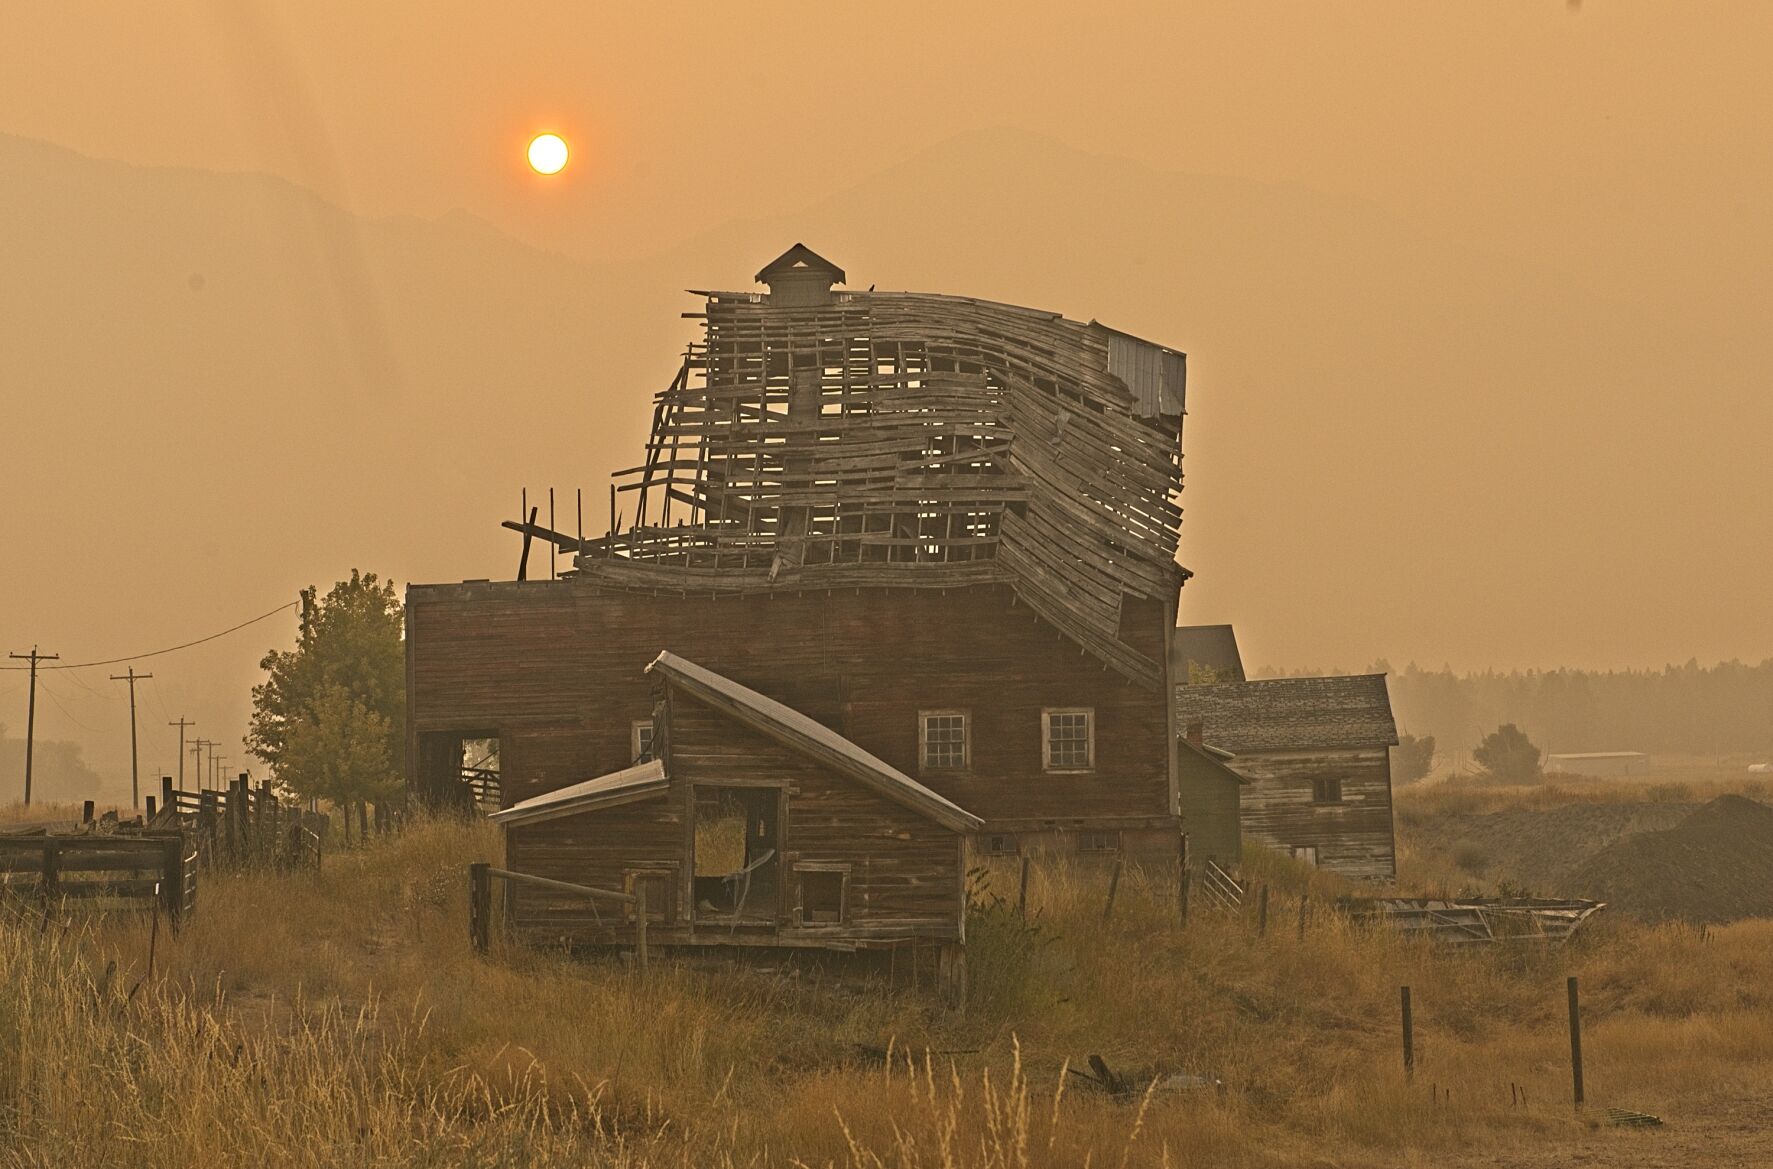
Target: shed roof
point(1212, 646)
point(811, 738)
point(1291, 714)
point(631, 784)
point(1217, 758)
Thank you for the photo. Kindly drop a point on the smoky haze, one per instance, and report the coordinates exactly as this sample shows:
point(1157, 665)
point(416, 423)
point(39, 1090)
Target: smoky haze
point(1474, 297)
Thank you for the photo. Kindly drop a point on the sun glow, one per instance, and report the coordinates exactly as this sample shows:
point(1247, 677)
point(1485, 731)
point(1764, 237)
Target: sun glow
point(547, 154)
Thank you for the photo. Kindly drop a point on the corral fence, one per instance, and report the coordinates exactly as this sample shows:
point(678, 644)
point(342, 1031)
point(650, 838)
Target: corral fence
point(144, 870)
point(241, 827)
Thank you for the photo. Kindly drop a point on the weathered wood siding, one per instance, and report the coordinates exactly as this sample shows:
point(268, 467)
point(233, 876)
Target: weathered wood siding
point(905, 875)
point(1210, 810)
point(556, 667)
point(1353, 837)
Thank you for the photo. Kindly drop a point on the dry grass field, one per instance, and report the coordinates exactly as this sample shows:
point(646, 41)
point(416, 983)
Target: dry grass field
point(340, 1019)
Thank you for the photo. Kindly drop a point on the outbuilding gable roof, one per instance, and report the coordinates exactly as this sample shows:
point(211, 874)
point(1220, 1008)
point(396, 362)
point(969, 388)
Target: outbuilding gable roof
point(813, 739)
point(1290, 714)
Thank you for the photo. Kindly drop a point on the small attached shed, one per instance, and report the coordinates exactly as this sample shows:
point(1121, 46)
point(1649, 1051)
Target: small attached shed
point(751, 825)
point(1209, 797)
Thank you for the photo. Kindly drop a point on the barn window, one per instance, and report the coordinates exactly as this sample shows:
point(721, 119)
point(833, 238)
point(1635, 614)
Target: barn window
point(640, 740)
point(943, 740)
point(823, 893)
point(661, 886)
point(1306, 853)
point(1000, 845)
point(1098, 842)
point(1326, 789)
point(1070, 739)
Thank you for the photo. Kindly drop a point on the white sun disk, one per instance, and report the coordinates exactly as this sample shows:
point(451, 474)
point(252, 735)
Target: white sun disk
point(547, 154)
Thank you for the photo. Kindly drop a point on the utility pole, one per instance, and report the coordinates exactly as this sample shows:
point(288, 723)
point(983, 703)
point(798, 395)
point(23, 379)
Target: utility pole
point(215, 766)
point(181, 725)
point(135, 769)
point(197, 746)
point(31, 711)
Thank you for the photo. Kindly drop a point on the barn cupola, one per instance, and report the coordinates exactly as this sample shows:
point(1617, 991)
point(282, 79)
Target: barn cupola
point(800, 277)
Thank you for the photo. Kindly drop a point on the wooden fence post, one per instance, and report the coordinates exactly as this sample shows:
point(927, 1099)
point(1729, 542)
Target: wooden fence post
point(1022, 892)
point(1304, 907)
point(86, 811)
point(1113, 886)
point(1575, 1043)
point(150, 800)
point(640, 927)
point(166, 798)
point(1409, 1034)
point(52, 874)
point(1182, 882)
point(479, 905)
point(1262, 911)
point(172, 878)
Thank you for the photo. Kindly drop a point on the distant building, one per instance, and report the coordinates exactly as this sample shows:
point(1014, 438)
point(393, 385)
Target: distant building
point(1205, 653)
point(1599, 763)
point(1317, 752)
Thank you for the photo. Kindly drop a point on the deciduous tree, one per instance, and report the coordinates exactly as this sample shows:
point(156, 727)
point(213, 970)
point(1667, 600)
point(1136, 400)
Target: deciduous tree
point(330, 716)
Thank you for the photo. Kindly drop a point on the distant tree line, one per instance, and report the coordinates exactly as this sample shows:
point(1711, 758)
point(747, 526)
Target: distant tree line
point(1690, 709)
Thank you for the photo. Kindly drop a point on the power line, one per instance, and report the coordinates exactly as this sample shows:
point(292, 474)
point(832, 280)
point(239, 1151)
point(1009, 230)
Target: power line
point(157, 652)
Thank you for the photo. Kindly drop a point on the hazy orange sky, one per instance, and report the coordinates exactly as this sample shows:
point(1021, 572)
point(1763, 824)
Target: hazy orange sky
point(1564, 460)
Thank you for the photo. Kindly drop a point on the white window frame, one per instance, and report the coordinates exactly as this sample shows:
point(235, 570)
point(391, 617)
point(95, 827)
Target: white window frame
point(634, 732)
point(923, 740)
point(1046, 740)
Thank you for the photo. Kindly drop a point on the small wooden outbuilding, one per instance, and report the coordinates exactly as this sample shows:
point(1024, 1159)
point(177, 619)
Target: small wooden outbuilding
point(1317, 752)
point(750, 824)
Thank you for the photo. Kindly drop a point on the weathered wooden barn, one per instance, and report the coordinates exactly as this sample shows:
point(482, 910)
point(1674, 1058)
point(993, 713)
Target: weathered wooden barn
point(750, 824)
point(942, 529)
point(1318, 754)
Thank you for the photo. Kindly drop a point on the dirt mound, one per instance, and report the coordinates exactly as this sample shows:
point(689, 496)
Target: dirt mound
point(1531, 848)
point(1714, 866)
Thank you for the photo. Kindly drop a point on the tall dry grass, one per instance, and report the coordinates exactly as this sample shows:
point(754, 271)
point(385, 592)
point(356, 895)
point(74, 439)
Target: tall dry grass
point(341, 1019)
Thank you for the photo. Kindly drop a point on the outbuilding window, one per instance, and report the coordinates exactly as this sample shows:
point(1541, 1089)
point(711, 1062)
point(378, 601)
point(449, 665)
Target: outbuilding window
point(660, 884)
point(824, 889)
point(640, 740)
point(943, 741)
point(1326, 789)
point(1098, 842)
point(1069, 739)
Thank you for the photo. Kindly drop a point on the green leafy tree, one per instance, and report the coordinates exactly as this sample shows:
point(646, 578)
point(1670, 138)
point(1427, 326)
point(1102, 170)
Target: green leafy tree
point(330, 716)
point(1412, 759)
point(1508, 755)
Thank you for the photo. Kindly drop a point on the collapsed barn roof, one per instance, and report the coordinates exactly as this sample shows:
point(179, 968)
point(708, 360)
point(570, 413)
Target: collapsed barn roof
point(1291, 714)
point(818, 439)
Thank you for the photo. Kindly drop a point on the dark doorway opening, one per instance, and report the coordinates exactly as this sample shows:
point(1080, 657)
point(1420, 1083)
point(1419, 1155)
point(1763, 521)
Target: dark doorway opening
point(738, 854)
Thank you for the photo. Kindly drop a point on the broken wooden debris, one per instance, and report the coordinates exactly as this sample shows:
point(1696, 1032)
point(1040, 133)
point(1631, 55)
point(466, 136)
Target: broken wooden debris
point(1102, 1078)
point(1476, 921)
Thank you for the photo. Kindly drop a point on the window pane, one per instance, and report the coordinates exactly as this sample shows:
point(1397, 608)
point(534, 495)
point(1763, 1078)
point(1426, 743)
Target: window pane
point(944, 740)
point(1068, 739)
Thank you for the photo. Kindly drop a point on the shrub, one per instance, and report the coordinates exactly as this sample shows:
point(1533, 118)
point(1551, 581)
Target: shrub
point(1509, 756)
